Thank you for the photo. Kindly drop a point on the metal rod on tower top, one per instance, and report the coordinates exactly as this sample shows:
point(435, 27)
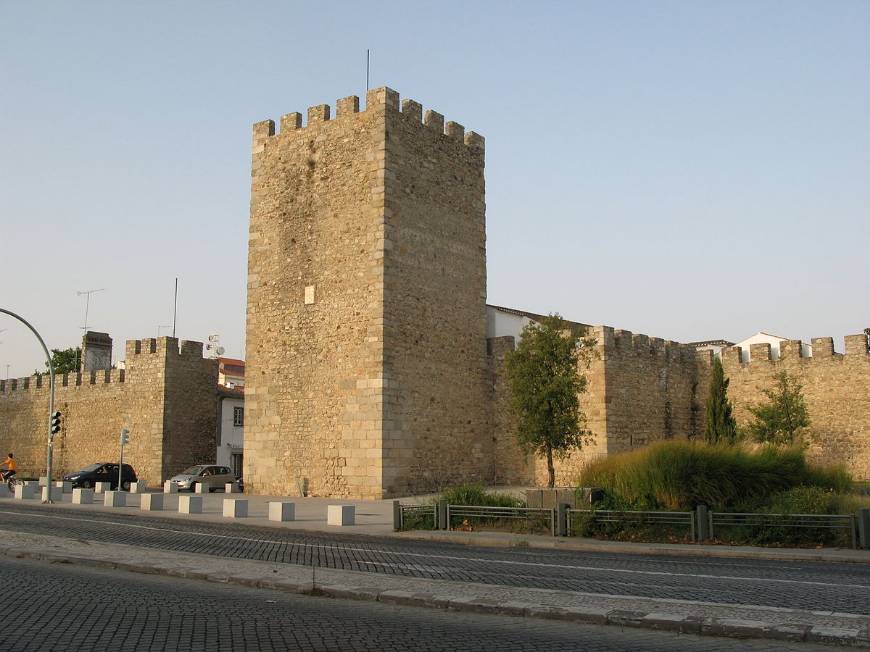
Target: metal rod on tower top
point(175, 307)
point(87, 294)
point(367, 70)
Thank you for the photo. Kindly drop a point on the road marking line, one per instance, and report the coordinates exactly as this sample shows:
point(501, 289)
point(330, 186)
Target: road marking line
point(481, 560)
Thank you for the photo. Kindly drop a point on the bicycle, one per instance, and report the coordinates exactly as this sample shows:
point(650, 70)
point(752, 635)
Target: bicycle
point(11, 480)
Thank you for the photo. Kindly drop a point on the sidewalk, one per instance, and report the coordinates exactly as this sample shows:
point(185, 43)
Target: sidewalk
point(375, 518)
point(713, 619)
point(509, 540)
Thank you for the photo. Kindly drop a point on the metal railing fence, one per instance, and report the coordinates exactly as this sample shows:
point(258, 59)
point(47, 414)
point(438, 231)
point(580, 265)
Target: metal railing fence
point(846, 522)
point(528, 514)
point(415, 514)
point(635, 518)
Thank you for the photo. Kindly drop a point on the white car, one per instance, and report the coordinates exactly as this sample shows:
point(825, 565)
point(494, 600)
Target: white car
point(212, 476)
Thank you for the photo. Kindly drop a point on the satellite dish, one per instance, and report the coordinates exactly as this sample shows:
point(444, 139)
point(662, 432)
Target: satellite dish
point(220, 350)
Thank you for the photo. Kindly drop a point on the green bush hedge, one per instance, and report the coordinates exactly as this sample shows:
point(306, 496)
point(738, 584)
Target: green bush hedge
point(475, 494)
point(679, 475)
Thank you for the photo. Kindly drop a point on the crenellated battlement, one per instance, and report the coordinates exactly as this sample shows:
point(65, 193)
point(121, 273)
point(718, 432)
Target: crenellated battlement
point(639, 344)
point(381, 99)
point(822, 349)
point(61, 381)
point(166, 345)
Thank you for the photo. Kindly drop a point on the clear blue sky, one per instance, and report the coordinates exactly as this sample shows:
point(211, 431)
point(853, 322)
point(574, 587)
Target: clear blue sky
point(689, 170)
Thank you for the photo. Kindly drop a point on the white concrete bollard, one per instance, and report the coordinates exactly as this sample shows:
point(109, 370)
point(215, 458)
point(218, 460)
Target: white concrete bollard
point(83, 496)
point(190, 504)
point(56, 493)
point(231, 488)
point(25, 491)
point(340, 514)
point(138, 487)
point(280, 511)
point(235, 507)
point(43, 480)
point(65, 487)
point(169, 487)
point(151, 502)
point(114, 499)
point(102, 487)
point(201, 488)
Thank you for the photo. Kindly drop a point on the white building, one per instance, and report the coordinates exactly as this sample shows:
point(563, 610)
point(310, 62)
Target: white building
point(501, 321)
point(231, 439)
point(774, 340)
point(231, 372)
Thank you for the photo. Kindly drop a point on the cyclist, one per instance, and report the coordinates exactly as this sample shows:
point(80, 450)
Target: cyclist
point(11, 465)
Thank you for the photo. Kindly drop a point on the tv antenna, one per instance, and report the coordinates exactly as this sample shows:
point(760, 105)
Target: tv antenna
point(214, 348)
point(87, 293)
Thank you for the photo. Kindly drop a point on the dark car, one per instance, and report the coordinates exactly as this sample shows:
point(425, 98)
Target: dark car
point(102, 472)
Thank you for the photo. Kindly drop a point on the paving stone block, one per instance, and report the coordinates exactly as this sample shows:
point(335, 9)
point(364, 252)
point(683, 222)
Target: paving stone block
point(25, 491)
point(734, 627)
point(340, 515)
point(282, 511)
point(626, 617)
point(190, 504)
point(82, 496)
point(672, 622)
point(833, 635)
point(114, 499)
point(151, 502)
point(55, 495)
point(235, 508)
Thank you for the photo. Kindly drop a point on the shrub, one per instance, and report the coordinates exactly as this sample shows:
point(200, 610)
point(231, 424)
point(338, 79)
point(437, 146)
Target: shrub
point(679, 475)
point(475, 494)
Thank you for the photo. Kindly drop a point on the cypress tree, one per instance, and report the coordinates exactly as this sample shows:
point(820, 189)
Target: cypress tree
point(721, 426)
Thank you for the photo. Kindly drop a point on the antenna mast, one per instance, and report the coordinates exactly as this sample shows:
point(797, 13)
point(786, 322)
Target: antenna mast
point(87, 294)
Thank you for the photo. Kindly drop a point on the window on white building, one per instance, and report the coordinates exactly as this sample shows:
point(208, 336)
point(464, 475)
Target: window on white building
point(238, 416)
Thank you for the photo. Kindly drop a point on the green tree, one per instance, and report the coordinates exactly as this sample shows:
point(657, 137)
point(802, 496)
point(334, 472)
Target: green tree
point(784, 416)
point(65, 361)
point(546, 383)
point(721, 426)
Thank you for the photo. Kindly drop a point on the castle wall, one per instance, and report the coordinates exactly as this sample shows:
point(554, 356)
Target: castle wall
point(93, 415)
point(366, 316)
point(314, 381)
point(512, 465)
point(836, 388)
point(639, 390)
point(97, 405)
point(436, 428)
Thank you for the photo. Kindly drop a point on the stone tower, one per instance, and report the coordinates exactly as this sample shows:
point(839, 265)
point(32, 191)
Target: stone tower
point(366, 318)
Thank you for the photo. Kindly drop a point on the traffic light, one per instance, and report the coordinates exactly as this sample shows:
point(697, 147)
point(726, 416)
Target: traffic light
point(55, 423)
point(125, 436)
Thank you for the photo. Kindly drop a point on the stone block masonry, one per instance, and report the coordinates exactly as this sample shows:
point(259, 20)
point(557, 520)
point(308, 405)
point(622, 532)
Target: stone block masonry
point(367, 373)
point(836, 387)
point(166, 396)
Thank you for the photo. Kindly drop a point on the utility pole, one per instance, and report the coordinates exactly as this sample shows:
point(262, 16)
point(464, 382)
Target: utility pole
point(49, 451)
point(125, 437)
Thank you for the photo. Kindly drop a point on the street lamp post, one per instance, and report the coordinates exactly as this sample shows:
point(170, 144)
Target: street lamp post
point(48, 454)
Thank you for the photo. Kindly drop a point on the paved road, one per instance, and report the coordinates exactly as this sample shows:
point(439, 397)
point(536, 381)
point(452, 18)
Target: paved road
point(47, 607)
point(817, 586)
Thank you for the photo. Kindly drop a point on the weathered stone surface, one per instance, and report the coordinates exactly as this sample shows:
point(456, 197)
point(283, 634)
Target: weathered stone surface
point(166, 396)
point(366, 305)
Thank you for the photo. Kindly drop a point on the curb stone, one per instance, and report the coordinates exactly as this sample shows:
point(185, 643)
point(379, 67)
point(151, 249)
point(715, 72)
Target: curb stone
point(723, 627)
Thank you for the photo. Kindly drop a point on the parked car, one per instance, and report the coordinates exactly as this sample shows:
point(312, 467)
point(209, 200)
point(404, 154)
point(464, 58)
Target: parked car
point(211, 475)
point(102, 472)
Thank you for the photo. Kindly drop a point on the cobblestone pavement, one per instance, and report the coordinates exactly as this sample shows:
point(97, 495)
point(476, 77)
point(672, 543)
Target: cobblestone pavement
point(48, 607)
point(814, 586)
